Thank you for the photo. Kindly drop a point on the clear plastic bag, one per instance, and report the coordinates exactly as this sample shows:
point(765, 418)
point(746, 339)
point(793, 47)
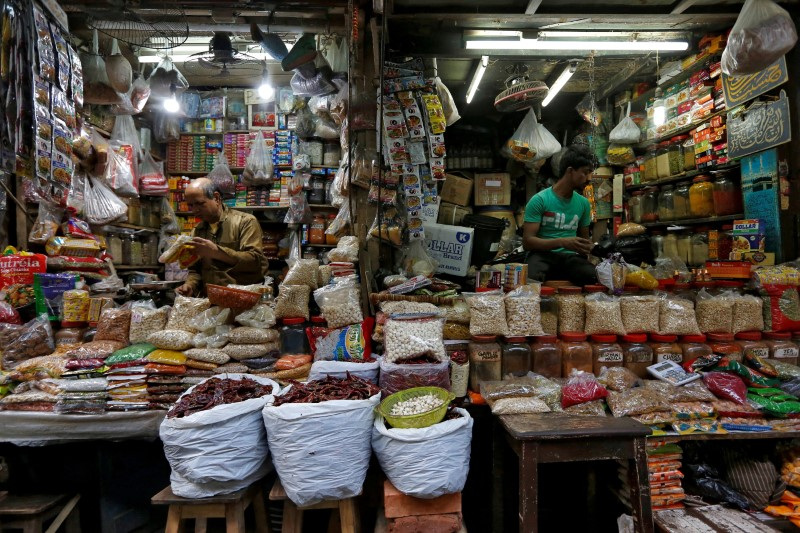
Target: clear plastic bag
point(639, 313)
point(626, 132)
point(612, 272)
point(166, 127)
point(251, 335)
point(603, 315)
point(21, 342)
point(221, 176)
point(184, 310)
point(259, 316)
point(210, 318)
point(411, 336)
point(677, 317)
point(531, 141)
point(340, 303)
point(714, 313)
point(258, 169)
point(763, 32)
point(620, 154)
point(48, 219)
point(302, 272)
point(636, 401)
point(522, 312)
point(448, 102)
point(120, 174)
point(164, 77)
point(118, 70)
point(487, 313)
point(346, 250)
point(416, 261)
point(171, 339)
point(144, 321)
point(748, 314)
point(96, 87)
point(169, 222)
point(315, 85)
point(588, 110)
point(152, 180)
point(102, 205)
point(299, 212)
point(292, 301)
point(618, 378)
point(126, 134)
point(342, 221)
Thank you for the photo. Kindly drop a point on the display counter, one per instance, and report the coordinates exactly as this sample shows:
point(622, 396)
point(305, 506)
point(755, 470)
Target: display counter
point(39, 429)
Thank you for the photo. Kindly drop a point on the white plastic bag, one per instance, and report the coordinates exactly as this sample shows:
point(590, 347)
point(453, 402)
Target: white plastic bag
point(307, 441)
point(427, 462)
point(221, 176)
point(102, 205)
point(763, 32)
point(223, 446)
point(626, 132)
point(448, 103)
point(152, 180)
point(258, 169)
point(339, 369)
point(164, 77)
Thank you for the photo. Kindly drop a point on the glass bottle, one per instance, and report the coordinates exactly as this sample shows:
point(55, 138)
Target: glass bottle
point(576, 353)
point(516, 356)
point(725, 242)
point(484, 360)
point(681, 201)
point(650, 164)
point(650, 205)
point(689, 163)
point(666, 206)
point(727, 196)
point(694, 346)
point(637, 354)
point(546, 356)
point(317, 193)
point(136, 250)
point(676, 154)
point(666, 348)
point(605, 352)
point(701, 198)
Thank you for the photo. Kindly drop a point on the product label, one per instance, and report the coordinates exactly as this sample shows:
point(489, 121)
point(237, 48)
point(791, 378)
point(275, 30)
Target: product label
point(487, 355)
point(609, 357)
point(758, 352)
point(785, 353)
point(640, 357)
point(675, 357)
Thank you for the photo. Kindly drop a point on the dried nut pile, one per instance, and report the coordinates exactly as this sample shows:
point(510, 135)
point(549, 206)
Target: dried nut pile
point(639, 313)
point(747, 314)
point(340, 304)
point(292, 301)
point(714, 315)
point(146, 321)
point(408, 339)
point(550, 323)
point(417, 405)
point(570, 312)
point(487, 315)
point(184, 310)
point(523, 316)
point(676, 317)
point(603, 316)
point(241, 352)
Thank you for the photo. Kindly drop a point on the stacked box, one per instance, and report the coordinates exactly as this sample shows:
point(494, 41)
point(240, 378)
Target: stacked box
point(711, 144)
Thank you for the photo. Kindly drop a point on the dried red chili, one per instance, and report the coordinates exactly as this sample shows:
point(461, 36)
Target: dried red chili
point(216, 391)
point(330, 388)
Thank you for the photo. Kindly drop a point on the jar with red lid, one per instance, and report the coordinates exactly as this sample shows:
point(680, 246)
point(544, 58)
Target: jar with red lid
point(752, 345)
point(516, 356)
point(318, 321)
point(636, 353)
point(548, 306)
point(666, 348)
point(694, 346)
point(546, 356)
point(605, 352)
point(724, 344)
point(594, 288)
point(485, 360)
point(293, 336)
point(571, 309)
point(781, 347)
point(576, 353)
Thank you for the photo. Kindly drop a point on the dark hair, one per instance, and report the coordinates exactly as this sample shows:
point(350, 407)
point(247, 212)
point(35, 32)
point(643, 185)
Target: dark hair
point(576, 156)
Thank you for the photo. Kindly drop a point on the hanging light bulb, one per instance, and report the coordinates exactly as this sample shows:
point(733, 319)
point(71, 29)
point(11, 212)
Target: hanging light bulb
point(171, 104)
point(659, 109)
point(265, 90)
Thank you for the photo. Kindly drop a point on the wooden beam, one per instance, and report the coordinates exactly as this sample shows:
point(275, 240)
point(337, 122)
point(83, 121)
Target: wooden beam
point(533, 5)
point(682, 6)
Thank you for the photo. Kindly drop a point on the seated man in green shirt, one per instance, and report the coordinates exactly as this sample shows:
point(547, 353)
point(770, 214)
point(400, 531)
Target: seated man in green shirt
point(557, 220)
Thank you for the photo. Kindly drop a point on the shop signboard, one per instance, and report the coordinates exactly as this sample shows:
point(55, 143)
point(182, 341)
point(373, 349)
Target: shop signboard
point(740, 89)
point(760, 190)
point(763, 125)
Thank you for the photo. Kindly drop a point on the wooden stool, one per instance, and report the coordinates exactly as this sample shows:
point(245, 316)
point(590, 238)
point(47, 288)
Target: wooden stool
point(29, 513)
point(293, 515)
point(231, 507)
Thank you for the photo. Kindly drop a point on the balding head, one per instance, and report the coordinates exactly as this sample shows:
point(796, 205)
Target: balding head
point(204, 200)
point(205, 185)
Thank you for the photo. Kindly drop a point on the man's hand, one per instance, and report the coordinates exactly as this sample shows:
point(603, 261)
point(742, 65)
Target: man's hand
point(578, 244)
point(205, 248)
point(185, 290)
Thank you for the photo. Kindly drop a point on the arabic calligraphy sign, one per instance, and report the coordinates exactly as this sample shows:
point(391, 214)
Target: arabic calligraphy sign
point(740, 89)
point(764, 125)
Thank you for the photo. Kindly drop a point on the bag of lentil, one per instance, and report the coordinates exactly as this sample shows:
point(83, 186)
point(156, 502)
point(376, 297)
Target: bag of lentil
point(639, 313)
point(171, 339)
point(523, 313)
point(184, 310)
point(748, 314)
point(677, 317)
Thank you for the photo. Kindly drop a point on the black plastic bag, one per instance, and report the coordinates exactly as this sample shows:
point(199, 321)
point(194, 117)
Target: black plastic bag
point(703, 479)
point(636, 250)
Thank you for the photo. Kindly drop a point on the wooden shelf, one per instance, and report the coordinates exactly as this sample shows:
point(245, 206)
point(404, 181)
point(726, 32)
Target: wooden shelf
point(138, 267)
point(685, 176)
point(681, 76)
point(693, 221)
point(198, 172)
point(680, 131)
point(133, 227)
point(319, 245)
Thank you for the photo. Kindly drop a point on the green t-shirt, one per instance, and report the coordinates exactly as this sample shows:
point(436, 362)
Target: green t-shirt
point(557, 217)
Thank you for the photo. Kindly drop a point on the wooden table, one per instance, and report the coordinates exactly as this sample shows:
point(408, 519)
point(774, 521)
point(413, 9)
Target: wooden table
point(557, 438)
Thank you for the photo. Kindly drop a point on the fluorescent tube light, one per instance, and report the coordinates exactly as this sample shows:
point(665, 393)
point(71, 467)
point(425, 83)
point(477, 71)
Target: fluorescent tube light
point(562, 80)
point(476, 78)
point(573, 45)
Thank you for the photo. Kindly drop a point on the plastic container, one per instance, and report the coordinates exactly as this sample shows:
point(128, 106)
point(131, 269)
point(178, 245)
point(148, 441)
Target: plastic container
point(637, 354)
point(676, 156)
point(751, 343)
point(316, 232)
point(548, 306)
point(576, 353)
point(701, 197)
point(781, 347)
point(650, 170)
point(698, 251)
point(293, 336)
point(666, 348)
point(546, 356)
point(724, 343)
point(114, 247)
point(331, 154)
point(666, 203)
point(650, 205)
point(689, 162)
point(487, 236)
point(663, 160)
point(635, 207)
point(485, 360)
point(694, 346)
point(680, 201)
point(671, 245)
point(727, 196)
point(605, 352)
point(516, 356)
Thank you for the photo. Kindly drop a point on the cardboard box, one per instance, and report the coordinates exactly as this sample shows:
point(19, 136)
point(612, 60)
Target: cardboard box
point(729, 269)
point(451, 246)
point(492, 189)
point(452, 214)
point(757, 258)
point(457, 189)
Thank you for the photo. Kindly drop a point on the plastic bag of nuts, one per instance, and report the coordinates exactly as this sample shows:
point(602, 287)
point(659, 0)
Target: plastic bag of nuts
point(114, 325)
point(603, 315)
point(714, 313)
point(292, 301)
point(171, 339)
point(146, 321)
point(458, 312)
point(639, 313)
point(21, 342)
point(487, 313)
point(184, 310)
point(747, 314)
point(571, 309)
point(676, 317)
point(303, 272)
point(411, 336)
point(340, 303)
point(523, 313)
point(247, 335)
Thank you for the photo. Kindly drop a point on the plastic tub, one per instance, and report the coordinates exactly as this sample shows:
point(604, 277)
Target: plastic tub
point(487, 237)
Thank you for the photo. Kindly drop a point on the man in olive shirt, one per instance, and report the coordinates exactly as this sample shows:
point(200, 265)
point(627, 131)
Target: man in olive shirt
point(228, 242)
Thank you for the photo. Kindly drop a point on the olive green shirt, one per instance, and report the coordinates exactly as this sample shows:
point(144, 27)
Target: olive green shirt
point(238, 235)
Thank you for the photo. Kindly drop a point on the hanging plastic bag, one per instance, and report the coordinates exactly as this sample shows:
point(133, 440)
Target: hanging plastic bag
point(620, 154)
point(258, 169)
point(417, 261)
point(169, 222)
point(626, 132)
point(316, 85)
point(102, 205)
point(152, 181)
point(612, 272)
point(97, 89)
point(47, 221)
point(221, 176)
point(342, 221)
point(118, 69)
point(588, 110)
point(164, 77)
point(134, 100)
point(299, 212)
point(120, 173)
point(448, 103)
point(126, 134)
point(77, 188)
point(763, 32)
point(166, 127)
point(531, 141)
point(271, 43)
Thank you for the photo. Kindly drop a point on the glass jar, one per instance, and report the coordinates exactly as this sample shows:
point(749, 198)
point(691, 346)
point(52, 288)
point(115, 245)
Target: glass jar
point(684, 244)
point(310, 253)
point(516, 356)
point(329, 190)
point(676, 154)
point(314, 148)
point(699, 248)
point(147, 249)
point(725, 242)
point(657, 243)
point(752, 345)
point(694, 346)
point(293, 336)
point(571, 309)
point(331, 238)
point(548, 307)
point(546, 355)
point(650, 164)
point(331, 154)
point(127, 248)
point(485, 362)
point(316, 232)
point(781, 347)
point(666, 205)
point(666, 348)
point(724, 343)
point(576, 353)
point(637, 354)
point(114, 247)
point(727, 196)
point(680, 202)
point(635, 207)
point(701, 197)
point(662, 160)
point(317, 193)
point(605, 352)
point(671, 245)
point(650, 205)
point(689, 162)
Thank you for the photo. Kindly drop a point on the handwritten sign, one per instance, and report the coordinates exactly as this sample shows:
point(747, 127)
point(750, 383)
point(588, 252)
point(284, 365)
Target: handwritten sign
point(764, 125)
point(760, 189)
point(740, 89)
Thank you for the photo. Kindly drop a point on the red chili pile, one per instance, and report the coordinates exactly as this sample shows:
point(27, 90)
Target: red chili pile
point(330, 388)
point(217, 391)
